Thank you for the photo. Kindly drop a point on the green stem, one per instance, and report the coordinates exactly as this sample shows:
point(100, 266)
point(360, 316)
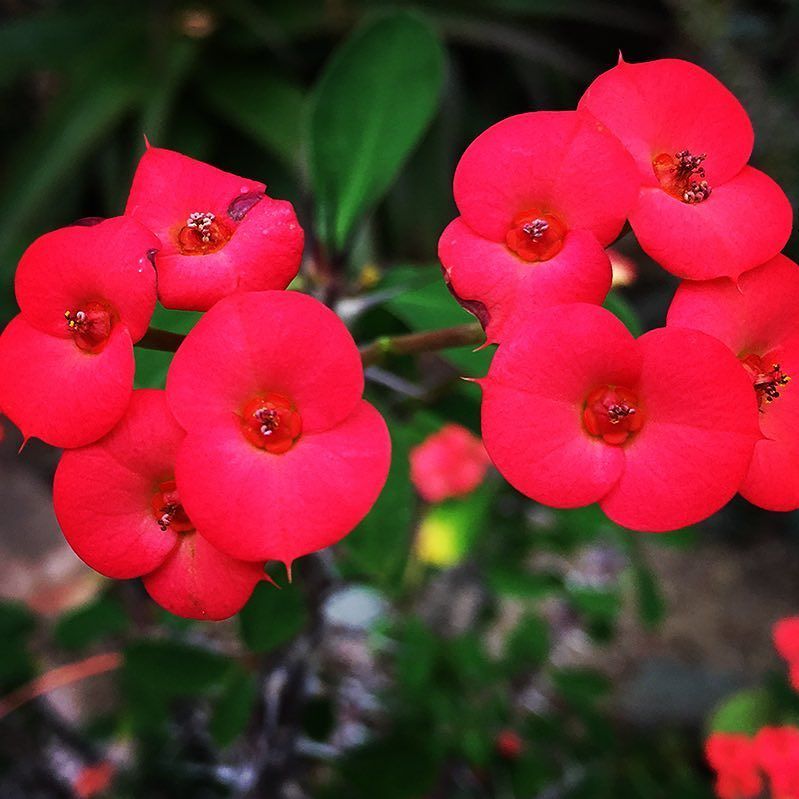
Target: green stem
point(409, 344)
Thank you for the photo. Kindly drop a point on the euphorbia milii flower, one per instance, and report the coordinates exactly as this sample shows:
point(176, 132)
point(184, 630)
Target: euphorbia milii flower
point(282, 456)
point(758, 319)
point(734, 759)
point(449, 463)
point(120, 509)
point(701, 211)
point(540, 196)
point(658, 430)
point(86, 295)
point(778, 753)
point(786, 642)
point(219, 233)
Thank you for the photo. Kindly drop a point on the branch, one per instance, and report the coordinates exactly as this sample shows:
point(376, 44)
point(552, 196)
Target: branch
point(410, 344)
point(162, 340)
point(430, 341)
point(58, 678)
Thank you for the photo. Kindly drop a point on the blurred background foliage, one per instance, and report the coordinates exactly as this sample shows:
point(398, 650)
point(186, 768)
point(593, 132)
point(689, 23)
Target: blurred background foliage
point(484, 647)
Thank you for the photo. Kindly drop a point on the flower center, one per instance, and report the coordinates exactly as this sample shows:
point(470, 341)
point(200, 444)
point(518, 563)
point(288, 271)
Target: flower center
point(535, 235)
point(271, 422)
point(612, 413)
point(90, 326)
point(203, 234)
point(168, 510)
point(767, 380)
point(683, 176)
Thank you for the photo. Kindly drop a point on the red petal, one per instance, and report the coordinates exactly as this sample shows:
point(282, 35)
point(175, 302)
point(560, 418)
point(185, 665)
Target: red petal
point(756, 315)
point(669, 105)
point(264, 253)
point(745, 222)
point(533, 398)
point(272, 341)
point(63, 270)
point(563, 162)
point(103, 493)
point(55, 391)
point(197, 581)
point(696, 443)
point(258, 506)
point(168, 186)
point(487, 271)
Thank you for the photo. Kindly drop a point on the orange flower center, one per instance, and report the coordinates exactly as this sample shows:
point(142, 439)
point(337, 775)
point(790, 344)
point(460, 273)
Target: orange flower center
point(535, 235)
point(271, 422)
point(168, 510)
point(90, 325)
point(612, 413)
point(767, 380)
point(682, 176)
point(204, 233)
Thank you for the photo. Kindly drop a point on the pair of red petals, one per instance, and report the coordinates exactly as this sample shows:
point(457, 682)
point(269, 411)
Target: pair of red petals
point(684, 407)
point(594, 168)
point(218, 233)
point(246, 505)
point(449, 463)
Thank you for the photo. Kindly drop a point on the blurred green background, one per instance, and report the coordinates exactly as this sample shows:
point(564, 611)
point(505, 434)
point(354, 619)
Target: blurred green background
point(378, 672)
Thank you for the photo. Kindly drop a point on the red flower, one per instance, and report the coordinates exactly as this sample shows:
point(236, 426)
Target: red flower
point(786, 642)
point(734, 759)
point(659, 431)
point(758, 319)
point(540, 196)
point(219, 233)
point(449, 463)
point(509, 744)
point(86, 294)
point(282, 456)
point(120, 510)
point(778, 753)
point(701, 212)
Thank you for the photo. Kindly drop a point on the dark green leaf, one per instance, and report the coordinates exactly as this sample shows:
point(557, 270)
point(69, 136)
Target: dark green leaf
point(272, 617)
point(168, 669)
point(618, 305)
point(373, 102)
point(233, 707)
point(745, 712)
point(92, 622)
point(379, 545)
point(528, 645)
point(265, 107)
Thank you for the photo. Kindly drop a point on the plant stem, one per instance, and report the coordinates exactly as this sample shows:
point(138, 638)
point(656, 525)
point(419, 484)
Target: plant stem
point(163, 340)
point(409, 344)
point(430, 341)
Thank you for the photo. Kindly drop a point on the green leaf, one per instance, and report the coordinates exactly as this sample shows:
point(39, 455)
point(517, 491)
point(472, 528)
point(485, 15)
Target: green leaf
point(169, 669)
point(745, 712)
point(17, 623)
point(267, 108)
point(580, 687)
point(618, 305)
point(104, 91)
point(524, 585)
point(152, 365)
point(371, 106)
point(92, 622)
point(431, 307)
point(528, 645)
point(379, 545)
point(233, 708)
point(272, 617)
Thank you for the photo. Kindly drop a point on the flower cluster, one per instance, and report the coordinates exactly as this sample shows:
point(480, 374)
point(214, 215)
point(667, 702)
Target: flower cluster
point(745, 764)
point(661, 431)
point(261, 448)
